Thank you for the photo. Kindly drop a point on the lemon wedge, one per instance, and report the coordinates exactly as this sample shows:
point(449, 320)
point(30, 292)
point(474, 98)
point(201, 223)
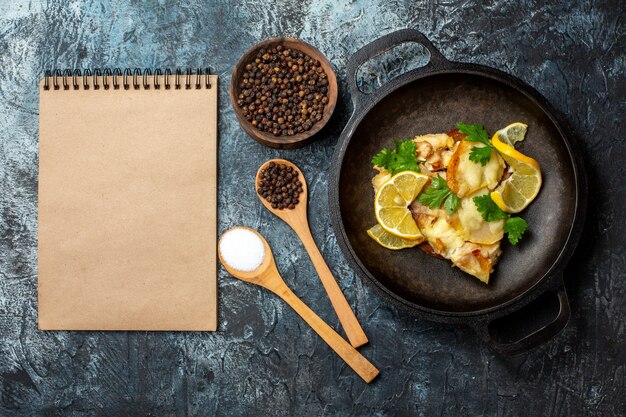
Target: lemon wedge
point(521, 188)
point(389, 241)
point(392, 201)
point(513, 133)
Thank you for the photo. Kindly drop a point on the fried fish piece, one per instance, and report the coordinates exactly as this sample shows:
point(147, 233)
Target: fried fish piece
point(447, 236)
point(464, 237)
point(379, 179)
point(435, 150)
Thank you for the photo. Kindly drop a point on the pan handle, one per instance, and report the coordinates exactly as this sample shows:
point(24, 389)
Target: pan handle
point(382, 45)
point(534, 338)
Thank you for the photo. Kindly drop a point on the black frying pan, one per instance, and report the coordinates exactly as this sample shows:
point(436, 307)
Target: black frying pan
point(434, 99)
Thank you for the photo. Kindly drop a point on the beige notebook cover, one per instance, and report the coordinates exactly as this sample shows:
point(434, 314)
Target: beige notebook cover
point(127, 204)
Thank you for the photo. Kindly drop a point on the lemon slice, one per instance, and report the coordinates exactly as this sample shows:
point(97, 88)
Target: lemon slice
point(392, 201)
point(389, 241)
point(513, 133)
point(521, 188)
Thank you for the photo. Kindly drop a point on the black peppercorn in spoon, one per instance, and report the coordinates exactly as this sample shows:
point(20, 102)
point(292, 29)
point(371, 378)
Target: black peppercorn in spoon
point(296, 218)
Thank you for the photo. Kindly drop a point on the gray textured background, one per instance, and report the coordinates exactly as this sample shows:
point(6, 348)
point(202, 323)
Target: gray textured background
point(264, 360)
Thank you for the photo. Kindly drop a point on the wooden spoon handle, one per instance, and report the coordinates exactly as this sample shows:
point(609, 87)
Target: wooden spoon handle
point(346, 316)
point(350, 355)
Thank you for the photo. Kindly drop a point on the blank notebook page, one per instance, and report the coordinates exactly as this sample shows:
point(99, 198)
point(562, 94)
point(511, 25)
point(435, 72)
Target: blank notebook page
point(127, 207)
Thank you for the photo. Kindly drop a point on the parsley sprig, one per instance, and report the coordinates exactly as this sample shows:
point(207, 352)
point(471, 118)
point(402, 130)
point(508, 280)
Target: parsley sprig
point(513, 226)
point(477, 133)
point(438, 193)
point(402, 158)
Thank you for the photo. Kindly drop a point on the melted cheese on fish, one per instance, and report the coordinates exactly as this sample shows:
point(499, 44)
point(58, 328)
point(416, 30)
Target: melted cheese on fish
point(448, 238)
point(472, 225)
point(465, 177)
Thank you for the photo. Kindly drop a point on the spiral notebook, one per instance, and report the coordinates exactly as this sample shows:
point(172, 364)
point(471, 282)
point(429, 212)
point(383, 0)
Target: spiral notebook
point(127, 200)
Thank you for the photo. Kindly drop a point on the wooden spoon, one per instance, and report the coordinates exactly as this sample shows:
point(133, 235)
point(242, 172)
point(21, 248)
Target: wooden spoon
point(266, 275)
point(297, 219)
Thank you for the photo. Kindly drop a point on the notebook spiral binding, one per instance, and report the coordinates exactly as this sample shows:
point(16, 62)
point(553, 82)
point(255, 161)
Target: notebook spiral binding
point(136, 78)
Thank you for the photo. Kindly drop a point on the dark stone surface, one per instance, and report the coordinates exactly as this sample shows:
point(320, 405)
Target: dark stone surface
point(264, 360)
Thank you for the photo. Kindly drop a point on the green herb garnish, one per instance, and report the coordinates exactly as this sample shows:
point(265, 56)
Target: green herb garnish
point(489, 210)
point(477, 133)
point(438, 193)
point(402, 158)
point(513, 226)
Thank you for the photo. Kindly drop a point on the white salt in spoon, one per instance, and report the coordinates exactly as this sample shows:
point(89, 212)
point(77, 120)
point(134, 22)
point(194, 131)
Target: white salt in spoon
point(240, 252)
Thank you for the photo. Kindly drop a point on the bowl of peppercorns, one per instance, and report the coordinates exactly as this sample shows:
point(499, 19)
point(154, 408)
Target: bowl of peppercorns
point(283, 91)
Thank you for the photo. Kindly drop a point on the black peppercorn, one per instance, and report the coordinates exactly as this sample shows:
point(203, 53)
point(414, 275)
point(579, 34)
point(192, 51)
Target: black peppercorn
point(286, 88)
point(279, 186)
